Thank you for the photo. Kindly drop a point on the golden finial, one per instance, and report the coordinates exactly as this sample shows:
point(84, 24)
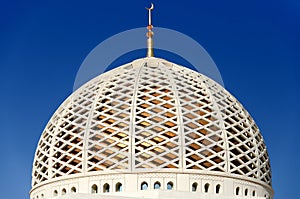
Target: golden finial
point(150, 33)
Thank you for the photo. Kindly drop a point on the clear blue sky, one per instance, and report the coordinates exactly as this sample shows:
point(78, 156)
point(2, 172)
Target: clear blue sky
point(255, 45)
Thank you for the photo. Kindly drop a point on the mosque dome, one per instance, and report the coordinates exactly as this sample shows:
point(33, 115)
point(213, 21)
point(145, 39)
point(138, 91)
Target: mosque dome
point(146, 122)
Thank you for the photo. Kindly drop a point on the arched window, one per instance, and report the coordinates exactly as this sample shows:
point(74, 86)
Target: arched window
point(246, 192)
point(253, 193)
point(218, 187)
point(94, 189)
point(106, 188)
point(144, 186)
point(237, 191)
point(55, 193)
point(73, 190)
point(63, 191)
point(42, 196)
point(119, 187)
point(37, 197)
point(170, 186)
point(157, 185)
point(194, 186)
point(206, 188)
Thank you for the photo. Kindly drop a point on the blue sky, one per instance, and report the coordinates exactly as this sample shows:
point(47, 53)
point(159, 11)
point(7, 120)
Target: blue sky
point(255, 45)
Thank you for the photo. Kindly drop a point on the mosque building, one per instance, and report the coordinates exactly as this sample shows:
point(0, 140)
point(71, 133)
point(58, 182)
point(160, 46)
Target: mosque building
point(151, 129)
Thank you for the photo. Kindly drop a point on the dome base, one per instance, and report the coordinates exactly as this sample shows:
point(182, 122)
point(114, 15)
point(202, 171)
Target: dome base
point(152, 185)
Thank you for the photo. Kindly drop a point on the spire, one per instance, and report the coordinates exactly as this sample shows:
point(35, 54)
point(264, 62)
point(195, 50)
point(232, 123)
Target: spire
point(150, 34)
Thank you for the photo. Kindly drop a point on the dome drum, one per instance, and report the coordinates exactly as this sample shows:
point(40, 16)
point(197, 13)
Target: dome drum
point(140, 183)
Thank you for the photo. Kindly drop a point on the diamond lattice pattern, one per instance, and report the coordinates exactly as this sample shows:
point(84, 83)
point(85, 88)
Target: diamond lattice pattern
point(146, 116)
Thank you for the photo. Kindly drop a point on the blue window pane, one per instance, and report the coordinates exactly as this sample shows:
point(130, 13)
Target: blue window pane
point(156, 185)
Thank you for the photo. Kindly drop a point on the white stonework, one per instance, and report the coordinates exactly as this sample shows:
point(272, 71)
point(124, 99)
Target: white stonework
point(151, 122)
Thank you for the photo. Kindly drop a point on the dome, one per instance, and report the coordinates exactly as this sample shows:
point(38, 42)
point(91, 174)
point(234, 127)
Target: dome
point(147, 117)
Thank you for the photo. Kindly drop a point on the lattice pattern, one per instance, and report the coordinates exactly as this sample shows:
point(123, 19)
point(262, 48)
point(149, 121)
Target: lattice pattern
point(151, 115)
point(204, 139)
point(60, 149)
point(108, 136)
point(156, 121)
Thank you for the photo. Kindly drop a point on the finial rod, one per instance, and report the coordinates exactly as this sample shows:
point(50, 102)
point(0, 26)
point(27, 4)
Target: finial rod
point(150, 33)
point(149, 14)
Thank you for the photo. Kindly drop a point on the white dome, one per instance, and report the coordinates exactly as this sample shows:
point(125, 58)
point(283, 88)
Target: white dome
point(151, 116)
